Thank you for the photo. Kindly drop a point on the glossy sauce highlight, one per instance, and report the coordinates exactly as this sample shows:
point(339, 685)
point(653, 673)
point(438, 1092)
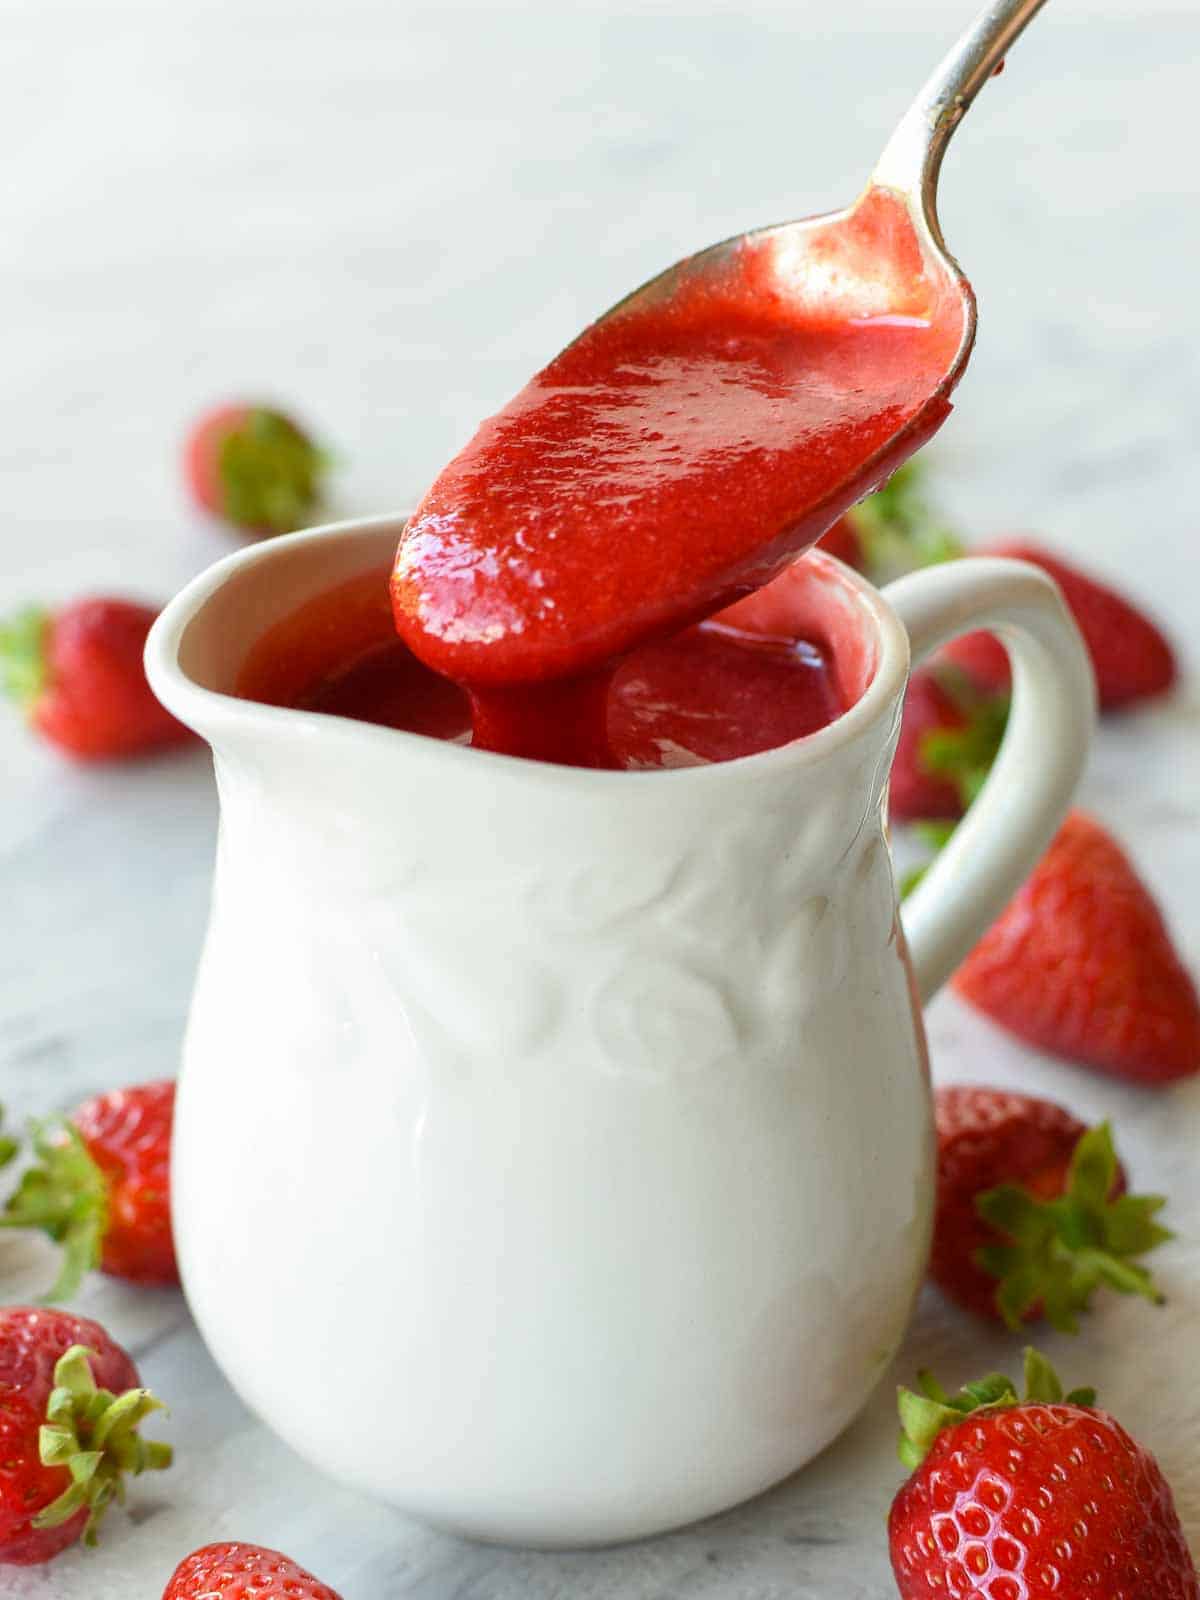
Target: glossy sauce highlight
point(713, 692)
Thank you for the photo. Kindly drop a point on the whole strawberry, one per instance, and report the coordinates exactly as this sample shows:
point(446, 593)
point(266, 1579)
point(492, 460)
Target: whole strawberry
point(254, 467)
point(70, 1405)
point(243, 1572)
point(1131, 658)
point(78, 674)
point(1013, 1499)
point(949, 737)
point(1080, 963)
point(101, 1188)
point(1032, 1214)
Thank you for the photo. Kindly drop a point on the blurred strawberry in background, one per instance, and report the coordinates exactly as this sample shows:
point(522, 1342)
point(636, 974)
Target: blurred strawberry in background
point(899, 529)
point(949, 737)
point(1081, 964)
point(1131, 658)
point(100, 1187)
point(77, 673)
point(255, 468)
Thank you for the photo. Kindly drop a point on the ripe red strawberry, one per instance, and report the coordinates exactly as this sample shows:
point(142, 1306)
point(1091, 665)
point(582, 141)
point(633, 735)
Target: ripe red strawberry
point(254, 467)
point(70, 1405)
point(1014, 1499)
point(243, 1572)
point(1032, 1213)
point(78, 673)
point(948, 740)
point(101, 1188)
point(1081, 964)
point(1131, 658)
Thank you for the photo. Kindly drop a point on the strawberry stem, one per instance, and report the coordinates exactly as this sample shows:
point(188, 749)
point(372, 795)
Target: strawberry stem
point(93, 1434)
point(66, 1196)
point(923, 1416)
point(1058, 1252)
point(270, 473)
point(23, 655)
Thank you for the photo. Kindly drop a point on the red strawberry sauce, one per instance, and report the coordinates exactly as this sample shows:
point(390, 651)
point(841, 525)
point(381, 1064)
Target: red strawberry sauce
point(561, 592)
point(709, 693)
point(671, 460)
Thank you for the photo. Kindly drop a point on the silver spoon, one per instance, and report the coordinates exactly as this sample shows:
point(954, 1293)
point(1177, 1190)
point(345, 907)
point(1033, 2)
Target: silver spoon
point(909, 166)
point(881, 260)
point(912, 158)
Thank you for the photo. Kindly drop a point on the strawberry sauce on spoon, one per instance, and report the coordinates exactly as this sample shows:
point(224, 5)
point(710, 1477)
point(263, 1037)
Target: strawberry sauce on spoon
point(694, 441)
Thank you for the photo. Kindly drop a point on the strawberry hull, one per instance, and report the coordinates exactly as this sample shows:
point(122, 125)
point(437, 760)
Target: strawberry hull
point(1082, 965)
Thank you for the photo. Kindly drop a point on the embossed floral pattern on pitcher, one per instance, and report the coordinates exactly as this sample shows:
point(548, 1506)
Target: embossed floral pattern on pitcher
point(585, 1133)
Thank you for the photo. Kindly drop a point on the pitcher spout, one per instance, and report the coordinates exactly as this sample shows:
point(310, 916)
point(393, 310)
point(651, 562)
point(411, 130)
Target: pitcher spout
point(199, 646)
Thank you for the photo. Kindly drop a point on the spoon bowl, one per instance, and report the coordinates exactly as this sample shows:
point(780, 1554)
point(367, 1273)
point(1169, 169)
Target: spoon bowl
point(707, 429)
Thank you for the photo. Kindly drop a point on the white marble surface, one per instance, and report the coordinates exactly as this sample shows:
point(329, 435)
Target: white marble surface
point(388, 216)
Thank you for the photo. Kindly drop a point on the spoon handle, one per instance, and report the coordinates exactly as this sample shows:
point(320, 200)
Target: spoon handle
point(912, 158)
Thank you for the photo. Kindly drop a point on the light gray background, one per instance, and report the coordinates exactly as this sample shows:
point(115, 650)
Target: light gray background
point(388, 216)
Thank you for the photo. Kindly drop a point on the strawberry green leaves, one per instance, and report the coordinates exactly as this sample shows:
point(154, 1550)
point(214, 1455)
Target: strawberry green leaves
point(65, 1196)
point(1057, 1253)
point(925, 1414)
point(898, 530)
point(965, 755)
point(270, 472)
point(23, 655)
point(93, 1433)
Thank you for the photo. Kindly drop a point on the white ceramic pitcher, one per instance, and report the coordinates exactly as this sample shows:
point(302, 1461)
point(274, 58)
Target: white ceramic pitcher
point(553, 1149)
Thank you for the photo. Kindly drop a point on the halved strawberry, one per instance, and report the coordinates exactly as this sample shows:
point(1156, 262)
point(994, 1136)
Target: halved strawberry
point(1081, 964)
point(1131, 657)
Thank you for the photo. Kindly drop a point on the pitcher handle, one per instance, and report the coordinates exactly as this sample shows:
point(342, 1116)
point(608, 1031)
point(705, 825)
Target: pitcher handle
point(1045, 745)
